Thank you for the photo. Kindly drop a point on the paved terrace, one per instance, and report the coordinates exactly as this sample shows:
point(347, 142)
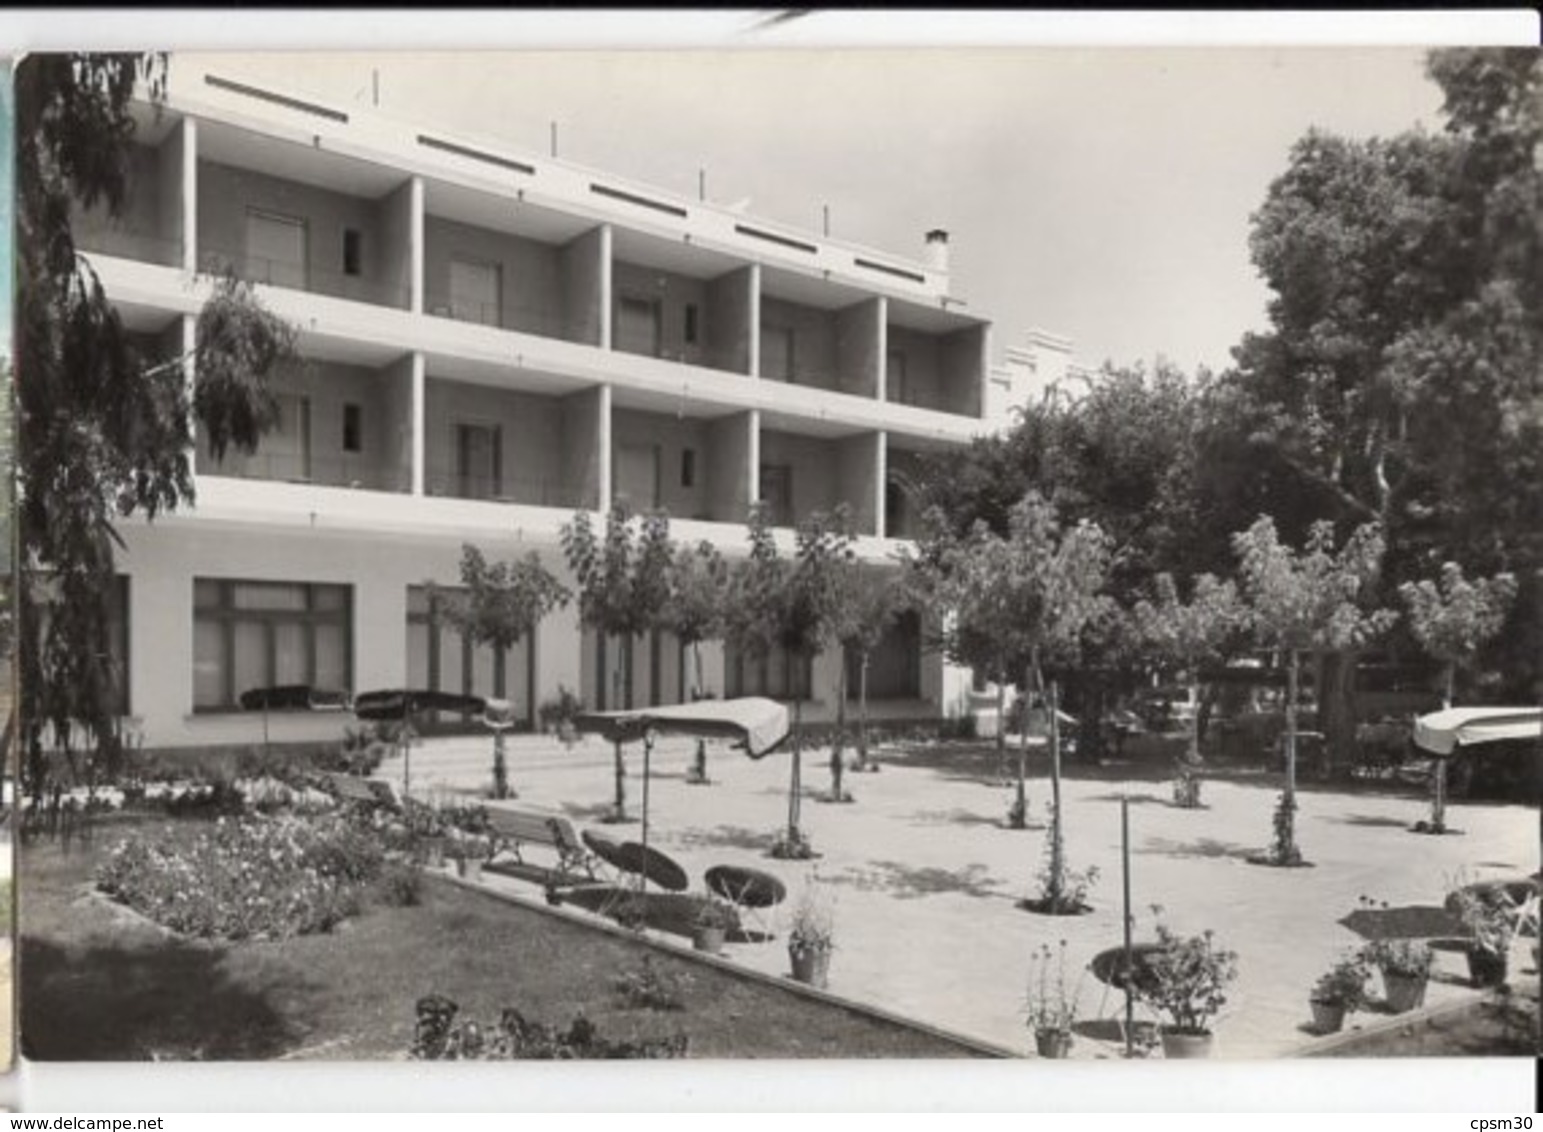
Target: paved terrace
point(926, 879)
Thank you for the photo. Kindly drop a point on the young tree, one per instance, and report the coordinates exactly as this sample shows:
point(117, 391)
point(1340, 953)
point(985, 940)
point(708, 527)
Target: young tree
point(623, 587)
point(1189, 635)
point(1307, 602)
point(503, 604)
point(107, 432)
point(1453, 618)
point(699, 580)
point(791, 605)
point(875, 602)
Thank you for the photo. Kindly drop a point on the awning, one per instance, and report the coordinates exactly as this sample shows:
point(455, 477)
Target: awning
point(759, 725)
point(1442, 732)
point(396, 703)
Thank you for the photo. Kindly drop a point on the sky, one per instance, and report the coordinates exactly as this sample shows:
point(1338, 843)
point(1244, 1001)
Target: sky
point(1102, 194)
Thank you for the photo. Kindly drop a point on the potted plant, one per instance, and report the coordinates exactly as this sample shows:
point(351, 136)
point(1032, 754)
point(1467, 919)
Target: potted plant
point(1339, 991)
point(1050, 1010)
point(1189, 980)
point(715, 919)
point(426, 832)
point(1490, 915)
point(812, 936)
point(1405, 965)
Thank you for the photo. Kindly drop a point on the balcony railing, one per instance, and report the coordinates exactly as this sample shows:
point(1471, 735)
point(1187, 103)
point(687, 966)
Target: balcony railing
point(137, 244)
point(353, 472)
point(530, 491)
point(216, 260)
point(524, 318)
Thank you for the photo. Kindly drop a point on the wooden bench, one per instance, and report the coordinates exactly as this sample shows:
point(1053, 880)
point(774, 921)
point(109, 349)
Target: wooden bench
point(514, 829)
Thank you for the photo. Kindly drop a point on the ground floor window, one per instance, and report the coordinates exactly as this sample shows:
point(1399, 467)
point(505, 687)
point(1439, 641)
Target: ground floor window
point(442, 658)
point(250, 634)
point(779, 675)
point(895, 665)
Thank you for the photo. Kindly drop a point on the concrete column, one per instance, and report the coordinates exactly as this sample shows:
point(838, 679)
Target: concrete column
point(605, 343)
point(753, 449)
point(883, 394)
point(189, 195)
point(881, 479)
point(416, 245)
point(420, 411)
point(603, 425)
point(755, 331)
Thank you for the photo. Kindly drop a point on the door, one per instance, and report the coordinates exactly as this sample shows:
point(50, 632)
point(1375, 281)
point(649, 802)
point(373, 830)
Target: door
point(478, 461)
point(777, 352)
point(639, 326)
point(475, 292)
point(635, 476)
point(276, 249)
point(894, 379)
point(285, 453)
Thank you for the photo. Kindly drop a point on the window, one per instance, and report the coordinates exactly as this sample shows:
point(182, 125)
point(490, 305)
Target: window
point(779, 674)
point(250, 635)
point(894, 665)
point(688, 467)
point(441, 657)
point(353, 428)
point(476, 292)
point(638, 326)
point(276, 249)
point(479, 461)
point(777, 352)
point(689, 331)
point(777, 493)
point(353, 252)
point(894, 510)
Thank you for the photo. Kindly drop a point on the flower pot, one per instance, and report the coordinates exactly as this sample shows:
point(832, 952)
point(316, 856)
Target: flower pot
point(1403, 992)
point(1486, 968)
point(811, 965)
point(1181, 1046)
point(1053, 1043)
point(708, 939)
point(468, 868)
point(1328, 1017)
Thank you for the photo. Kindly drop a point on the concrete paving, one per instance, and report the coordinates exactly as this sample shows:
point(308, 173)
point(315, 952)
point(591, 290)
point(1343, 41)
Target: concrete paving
point(925, 878)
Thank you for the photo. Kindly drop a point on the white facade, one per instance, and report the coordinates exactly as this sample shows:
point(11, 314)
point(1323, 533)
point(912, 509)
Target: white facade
point(493, 340)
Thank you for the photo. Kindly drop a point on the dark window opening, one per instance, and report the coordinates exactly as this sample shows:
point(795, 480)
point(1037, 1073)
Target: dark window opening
point(690, 328)
point(353, 252)
point(353, 428)
point(688, 467)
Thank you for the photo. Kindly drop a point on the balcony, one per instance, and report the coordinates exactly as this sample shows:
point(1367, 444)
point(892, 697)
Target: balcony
point(694, 468)
point(930, 366)
point(903, 476)
point(149, 225)
point(304, 236)
point(800, 475)
point(510, 446)
point(659, 313)
point(339, 426)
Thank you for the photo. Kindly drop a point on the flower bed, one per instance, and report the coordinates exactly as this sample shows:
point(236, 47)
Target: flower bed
point(249, 878)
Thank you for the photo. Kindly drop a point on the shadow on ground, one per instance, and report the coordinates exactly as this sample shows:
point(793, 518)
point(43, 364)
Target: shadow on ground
point(1203, 847)
point(727, 837)
point(174, 1002)
point(909, 882)
point(1410, 921)
point(956, 816)
point(1371, 821)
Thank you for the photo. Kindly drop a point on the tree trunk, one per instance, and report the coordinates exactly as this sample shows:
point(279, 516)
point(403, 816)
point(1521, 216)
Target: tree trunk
point(862, 713)
point(1438, 805)
point(696, 694)
point(1002, 726)
point(838, 741)
point(795, 783)
point(621, 784)
point(1057, 891)
point(1291, 726)
point(500, 767)
point(1337, 707)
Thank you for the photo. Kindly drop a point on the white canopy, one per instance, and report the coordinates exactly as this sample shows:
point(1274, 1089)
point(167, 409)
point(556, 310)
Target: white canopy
point(759, 724)
point(1442, 732)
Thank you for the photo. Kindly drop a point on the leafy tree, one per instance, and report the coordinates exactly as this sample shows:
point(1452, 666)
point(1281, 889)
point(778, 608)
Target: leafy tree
point(1307, 602)
point(106, 432)
point(1452, 618)
point(1189, 634)
point(791, 605)
point(871, 606)
point(503, 604)
point(623, 589)
point(699, 580)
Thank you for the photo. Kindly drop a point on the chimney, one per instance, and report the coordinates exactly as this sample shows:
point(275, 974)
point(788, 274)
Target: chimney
point(936, 255)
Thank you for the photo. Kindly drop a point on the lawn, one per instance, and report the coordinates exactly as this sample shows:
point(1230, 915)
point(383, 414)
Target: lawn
point(104, 984)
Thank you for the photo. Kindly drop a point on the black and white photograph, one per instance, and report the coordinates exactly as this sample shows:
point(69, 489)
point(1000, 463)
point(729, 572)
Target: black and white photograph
point(900, 553)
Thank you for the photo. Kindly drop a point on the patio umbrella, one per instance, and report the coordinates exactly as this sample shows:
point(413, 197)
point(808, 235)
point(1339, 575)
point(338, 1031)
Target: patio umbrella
point(397, 705)
point(755, 725)
point(290, 697)
point(1448, 733)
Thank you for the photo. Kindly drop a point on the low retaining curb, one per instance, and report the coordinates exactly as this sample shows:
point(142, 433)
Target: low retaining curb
point(1333, 1042)
point(683, 951)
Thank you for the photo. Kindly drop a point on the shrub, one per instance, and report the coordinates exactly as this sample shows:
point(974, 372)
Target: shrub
point(254, 878)
point(1343, 984)
point(649, 988)
point(1190, 976)
point(399, 885)
point(438, 1037)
